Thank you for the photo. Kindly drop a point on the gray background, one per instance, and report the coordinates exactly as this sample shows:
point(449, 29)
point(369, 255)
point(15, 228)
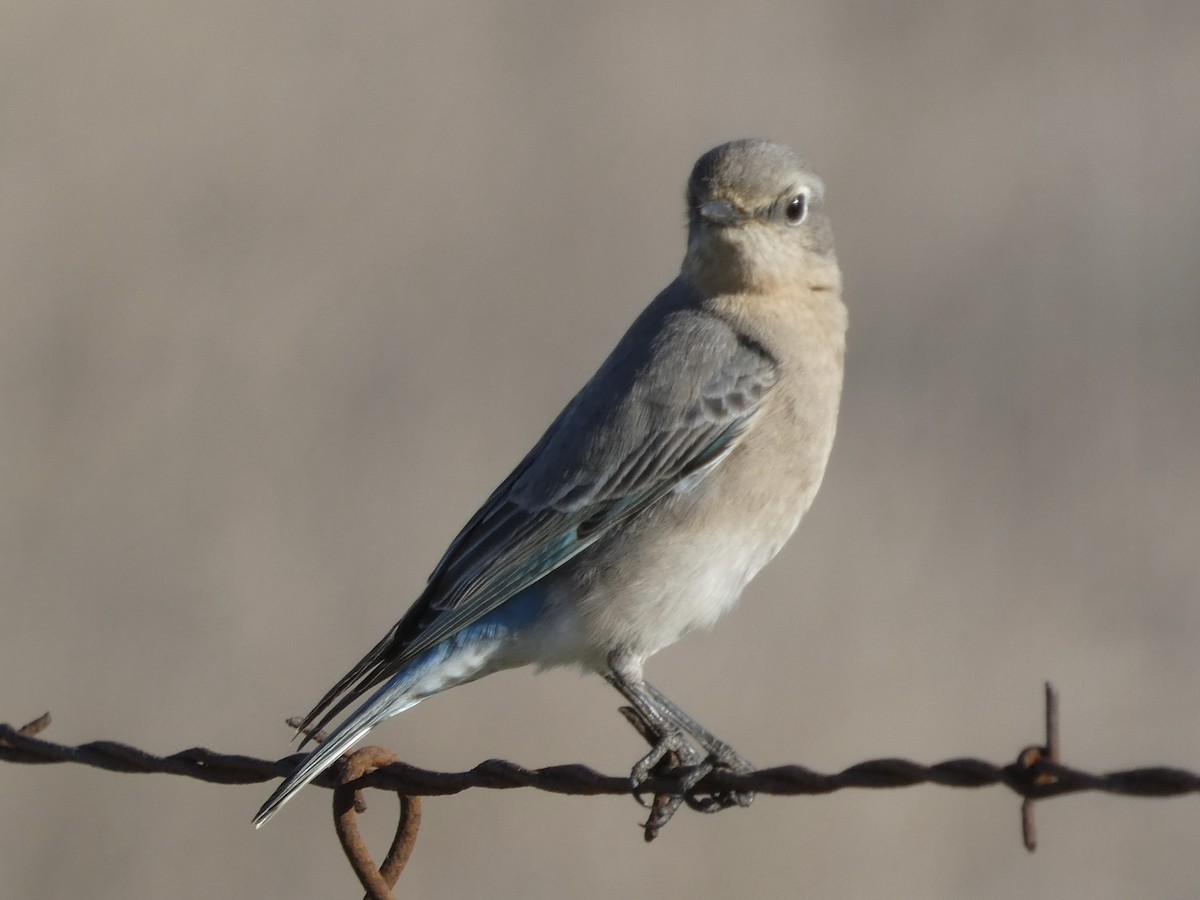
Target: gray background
point(286, 288)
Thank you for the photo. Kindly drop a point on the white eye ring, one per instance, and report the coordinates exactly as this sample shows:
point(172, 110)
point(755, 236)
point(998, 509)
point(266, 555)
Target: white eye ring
point(796, 210)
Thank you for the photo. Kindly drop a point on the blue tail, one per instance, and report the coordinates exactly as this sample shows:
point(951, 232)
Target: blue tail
point(390, 700)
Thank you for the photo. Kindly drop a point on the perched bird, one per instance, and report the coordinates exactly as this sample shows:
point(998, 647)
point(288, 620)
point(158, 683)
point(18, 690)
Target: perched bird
point(673, 476)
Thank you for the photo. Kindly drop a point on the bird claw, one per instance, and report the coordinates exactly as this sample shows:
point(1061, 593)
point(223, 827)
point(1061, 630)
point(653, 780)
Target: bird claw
point(666, 757)
point(661, 811)
point(672, 748)
point(715, 801)
point(673, 754)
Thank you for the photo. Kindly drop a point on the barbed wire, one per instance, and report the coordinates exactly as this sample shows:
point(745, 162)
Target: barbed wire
point(1037, 774)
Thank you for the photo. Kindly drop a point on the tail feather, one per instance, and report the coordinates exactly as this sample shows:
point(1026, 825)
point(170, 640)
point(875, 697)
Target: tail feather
point(391, 700)
point(383, 662)
point(462, 658)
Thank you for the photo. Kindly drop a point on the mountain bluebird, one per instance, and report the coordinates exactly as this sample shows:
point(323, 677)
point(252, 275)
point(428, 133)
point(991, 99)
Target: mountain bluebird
point(673, 476)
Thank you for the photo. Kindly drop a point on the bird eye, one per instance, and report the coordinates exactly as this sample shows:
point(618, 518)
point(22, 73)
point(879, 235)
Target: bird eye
point(796, 209)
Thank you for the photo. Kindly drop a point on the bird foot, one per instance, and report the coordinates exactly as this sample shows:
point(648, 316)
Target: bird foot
point(673, 754)
point(714, 801)
point(670, 750)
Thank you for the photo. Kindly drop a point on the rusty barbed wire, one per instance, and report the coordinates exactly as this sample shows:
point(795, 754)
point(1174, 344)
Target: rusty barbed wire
point(1035, 779)
point(1037, 774)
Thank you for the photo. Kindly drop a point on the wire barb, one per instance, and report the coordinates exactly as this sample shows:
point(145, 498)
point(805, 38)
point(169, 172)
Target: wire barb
point(1032, 758)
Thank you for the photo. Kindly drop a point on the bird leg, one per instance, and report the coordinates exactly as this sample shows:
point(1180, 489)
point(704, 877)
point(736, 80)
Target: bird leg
point(667, 728)
point(665, 736)
point(663, 806)
point(720, 755)
point(669, 748)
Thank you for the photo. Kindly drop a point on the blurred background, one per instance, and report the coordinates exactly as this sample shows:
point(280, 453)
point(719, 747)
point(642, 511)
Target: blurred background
point(287, 288)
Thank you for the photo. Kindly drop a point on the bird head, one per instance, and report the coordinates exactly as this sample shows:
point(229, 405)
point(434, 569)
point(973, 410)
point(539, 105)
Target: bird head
point(756, 220)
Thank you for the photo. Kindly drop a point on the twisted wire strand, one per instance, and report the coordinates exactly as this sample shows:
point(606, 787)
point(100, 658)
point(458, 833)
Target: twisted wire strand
point(1037, 778)
point(1037, 774)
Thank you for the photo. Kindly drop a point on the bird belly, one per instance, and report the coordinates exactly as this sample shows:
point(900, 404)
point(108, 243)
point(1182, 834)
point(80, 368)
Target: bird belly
point(642, 593)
